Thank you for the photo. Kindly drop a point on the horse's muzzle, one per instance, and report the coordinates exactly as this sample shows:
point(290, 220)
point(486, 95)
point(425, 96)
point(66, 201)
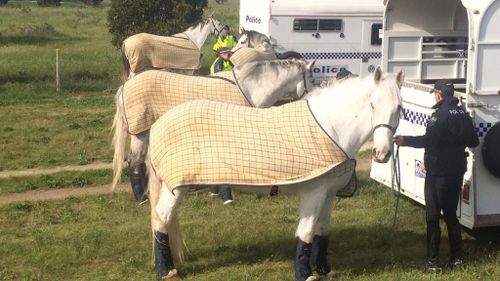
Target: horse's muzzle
point(384, 159)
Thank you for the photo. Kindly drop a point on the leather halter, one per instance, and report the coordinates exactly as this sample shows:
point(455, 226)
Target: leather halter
point(385, 126)
point(215, 27)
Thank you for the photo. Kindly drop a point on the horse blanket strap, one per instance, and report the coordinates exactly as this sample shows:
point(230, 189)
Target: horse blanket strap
point(147, 51)
point(350, 189)
point(147, 96)
point(243, 55)
point(210, 143)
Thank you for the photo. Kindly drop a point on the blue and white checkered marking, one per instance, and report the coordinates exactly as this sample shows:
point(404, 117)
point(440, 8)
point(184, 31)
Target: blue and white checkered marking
point(422, 120)
point(416, 117)
point(483, 128)
point(341, 55)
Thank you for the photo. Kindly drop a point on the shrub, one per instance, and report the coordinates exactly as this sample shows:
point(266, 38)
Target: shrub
point(162, 17)
point(3, 2)
point(94, 3)
point(47, 3)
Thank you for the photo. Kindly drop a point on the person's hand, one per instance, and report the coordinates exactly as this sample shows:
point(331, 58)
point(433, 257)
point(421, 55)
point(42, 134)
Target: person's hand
point(399, 140)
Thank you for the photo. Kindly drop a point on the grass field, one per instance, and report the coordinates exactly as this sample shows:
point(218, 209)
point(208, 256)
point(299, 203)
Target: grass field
point(107, 237)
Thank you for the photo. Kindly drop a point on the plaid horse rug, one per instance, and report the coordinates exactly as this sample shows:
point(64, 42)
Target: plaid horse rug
point(210, 143)
point(244, 55)
point(148, 51)
point(147, 96)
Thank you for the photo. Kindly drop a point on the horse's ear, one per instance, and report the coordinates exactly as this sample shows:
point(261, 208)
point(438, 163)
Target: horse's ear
point(310, 65)
point(400, 78)
point(378, 75)
point(242, 30)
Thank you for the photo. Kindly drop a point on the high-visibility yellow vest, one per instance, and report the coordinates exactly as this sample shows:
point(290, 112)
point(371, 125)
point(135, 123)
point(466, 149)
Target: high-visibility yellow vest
point(226, 66)
point(229, 42)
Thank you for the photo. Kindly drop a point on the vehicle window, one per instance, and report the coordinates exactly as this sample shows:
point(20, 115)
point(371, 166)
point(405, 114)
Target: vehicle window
point(375, 34)
point(329, 24)
point(305, 24)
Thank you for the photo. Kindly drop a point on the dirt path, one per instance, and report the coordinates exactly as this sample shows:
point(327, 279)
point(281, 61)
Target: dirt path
point(40, 195)
point(34, 172)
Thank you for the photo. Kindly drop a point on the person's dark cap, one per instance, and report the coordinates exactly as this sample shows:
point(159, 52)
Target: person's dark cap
point(343, 73)
point(445, 87)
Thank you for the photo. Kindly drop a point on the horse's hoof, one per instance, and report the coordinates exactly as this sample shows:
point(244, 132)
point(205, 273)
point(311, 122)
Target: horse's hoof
point(330, 274)
point(312, 278)
point(171, 276)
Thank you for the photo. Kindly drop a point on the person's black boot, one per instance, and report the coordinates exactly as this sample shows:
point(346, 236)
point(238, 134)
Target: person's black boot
point(432, 266)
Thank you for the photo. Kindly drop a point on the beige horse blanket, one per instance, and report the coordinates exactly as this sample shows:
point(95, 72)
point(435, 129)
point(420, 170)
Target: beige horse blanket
point(147, 96)
point(209, 143)
point(244, 55)
point(148, 51)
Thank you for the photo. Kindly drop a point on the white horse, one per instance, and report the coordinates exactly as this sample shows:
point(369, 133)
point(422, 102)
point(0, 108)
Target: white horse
point(254, 39)
point(142, 49)
point(348, 112)
point(263, 82)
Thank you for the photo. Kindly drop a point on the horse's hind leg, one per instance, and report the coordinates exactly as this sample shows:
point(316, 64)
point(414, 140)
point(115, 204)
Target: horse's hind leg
point(166, 238)
point(138, 176)
point(311, 203)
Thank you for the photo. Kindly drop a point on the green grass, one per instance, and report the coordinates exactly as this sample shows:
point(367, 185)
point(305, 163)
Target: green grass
point(107, 237)
point(41, 127)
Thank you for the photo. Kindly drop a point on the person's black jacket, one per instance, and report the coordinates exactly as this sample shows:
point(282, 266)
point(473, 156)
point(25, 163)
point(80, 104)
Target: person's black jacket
point(449, 131)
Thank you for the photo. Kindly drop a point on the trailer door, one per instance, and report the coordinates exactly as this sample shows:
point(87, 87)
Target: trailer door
point(371, 43)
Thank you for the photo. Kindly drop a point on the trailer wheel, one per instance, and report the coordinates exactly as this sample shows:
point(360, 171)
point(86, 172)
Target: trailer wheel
point(491, 150)
point(290, 55)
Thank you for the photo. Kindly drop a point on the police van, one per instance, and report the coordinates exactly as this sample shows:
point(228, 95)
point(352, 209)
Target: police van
point(457, 40)
point(338, 34)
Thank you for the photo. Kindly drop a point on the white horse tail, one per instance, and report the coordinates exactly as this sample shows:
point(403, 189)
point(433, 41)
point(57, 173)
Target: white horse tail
point(173, 230)
point(176, 241)
point(119, 138)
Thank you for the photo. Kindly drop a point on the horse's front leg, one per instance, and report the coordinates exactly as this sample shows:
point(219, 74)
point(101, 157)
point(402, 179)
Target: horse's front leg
point(312, 200)
point(139, 145)
point(320, 241)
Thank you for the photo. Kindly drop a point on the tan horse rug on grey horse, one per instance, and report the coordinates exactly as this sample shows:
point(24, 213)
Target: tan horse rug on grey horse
point(152, 93)
point(146, 50)
point(244, 55)
point(209, 143)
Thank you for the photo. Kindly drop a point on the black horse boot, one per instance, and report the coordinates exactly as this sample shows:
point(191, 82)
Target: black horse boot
point(164, 263)
point(319, 255)
point(302, 259)
point(139, 181)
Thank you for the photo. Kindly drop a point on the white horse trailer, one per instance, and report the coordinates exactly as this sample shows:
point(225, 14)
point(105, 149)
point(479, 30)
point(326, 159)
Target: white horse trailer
point(338, 34)
point(457, 40)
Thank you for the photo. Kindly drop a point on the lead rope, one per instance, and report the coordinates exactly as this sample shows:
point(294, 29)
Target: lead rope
point(396, 177)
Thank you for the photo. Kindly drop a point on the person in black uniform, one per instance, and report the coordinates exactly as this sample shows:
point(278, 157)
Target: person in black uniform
point(449, 131)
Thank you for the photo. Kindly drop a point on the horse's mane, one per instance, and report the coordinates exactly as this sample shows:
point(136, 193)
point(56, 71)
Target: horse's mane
point(346, 89)
point(267, 66)
point(201, 22)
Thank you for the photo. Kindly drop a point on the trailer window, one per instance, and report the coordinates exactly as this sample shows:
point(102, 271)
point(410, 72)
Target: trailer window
point(332, 25)
point(317, 24)
point(376, 38)
point(305, 24)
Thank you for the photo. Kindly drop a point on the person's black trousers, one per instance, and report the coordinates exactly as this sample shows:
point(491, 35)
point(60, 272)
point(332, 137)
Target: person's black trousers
point(442, 193)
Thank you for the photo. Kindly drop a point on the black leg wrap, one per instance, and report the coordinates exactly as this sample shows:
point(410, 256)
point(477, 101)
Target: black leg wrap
point(163, 257)
point(139, 181)
point(320, 255)
point(302, 258)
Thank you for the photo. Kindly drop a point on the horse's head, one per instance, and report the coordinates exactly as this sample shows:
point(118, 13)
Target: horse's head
point(215, 25)
point(385, 102)
point(307, 83)
point(254, 39)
